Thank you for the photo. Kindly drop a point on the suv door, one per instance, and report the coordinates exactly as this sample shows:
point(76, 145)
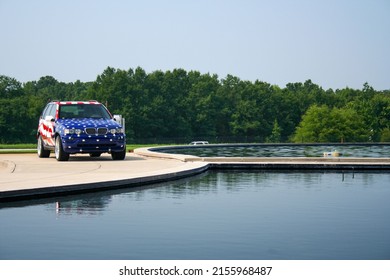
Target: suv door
point(47, 124)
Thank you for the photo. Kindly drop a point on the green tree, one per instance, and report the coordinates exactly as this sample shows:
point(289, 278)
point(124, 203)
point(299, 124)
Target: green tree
point(201, 105)
point(13, 112)
point(385, 135)
point(276, 134)
point(322, 124)
point(312, 124)
point(10, 87)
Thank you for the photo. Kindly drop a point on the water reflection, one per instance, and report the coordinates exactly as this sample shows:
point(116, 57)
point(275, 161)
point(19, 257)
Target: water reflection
point(88, 206)
point(96, 203)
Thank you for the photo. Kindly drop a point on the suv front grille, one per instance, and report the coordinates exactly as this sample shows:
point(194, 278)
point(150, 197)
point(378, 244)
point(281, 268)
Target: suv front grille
point(90, 131)
point(102, 130)
point(98, 131)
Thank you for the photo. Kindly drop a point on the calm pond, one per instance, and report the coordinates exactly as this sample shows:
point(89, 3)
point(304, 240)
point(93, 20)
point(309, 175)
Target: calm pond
point(282, 150)
point(216, 215)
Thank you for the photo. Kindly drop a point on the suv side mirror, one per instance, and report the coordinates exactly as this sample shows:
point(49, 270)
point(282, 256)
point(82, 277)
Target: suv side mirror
point(49, 118)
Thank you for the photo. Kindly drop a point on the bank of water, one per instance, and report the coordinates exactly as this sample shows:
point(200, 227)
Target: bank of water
point(216, 215)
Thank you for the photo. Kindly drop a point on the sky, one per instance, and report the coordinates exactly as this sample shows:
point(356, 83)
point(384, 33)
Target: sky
point(335, 43)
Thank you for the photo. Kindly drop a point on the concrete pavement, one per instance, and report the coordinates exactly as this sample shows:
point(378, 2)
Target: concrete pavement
point(27, 176)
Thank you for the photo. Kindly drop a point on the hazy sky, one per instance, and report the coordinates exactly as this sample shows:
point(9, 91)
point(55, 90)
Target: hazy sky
point(334, 43)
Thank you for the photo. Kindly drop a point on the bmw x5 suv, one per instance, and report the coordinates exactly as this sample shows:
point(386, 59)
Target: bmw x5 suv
point(70, 127)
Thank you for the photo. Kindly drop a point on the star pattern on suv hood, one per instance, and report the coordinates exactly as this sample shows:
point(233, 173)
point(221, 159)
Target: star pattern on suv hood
point(87, 122)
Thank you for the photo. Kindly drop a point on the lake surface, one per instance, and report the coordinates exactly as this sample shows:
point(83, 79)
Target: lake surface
point(216, 215)
point(291, 150)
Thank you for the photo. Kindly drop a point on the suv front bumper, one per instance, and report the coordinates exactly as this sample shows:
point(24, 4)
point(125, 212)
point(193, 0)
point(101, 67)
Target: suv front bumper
point(93, 144)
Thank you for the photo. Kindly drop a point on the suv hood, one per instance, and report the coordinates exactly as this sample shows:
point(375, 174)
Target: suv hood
point(88, 122)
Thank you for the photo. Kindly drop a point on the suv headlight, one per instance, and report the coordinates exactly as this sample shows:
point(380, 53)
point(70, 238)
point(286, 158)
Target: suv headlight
point(72, 131)
point(116, 130)
point(68, 131)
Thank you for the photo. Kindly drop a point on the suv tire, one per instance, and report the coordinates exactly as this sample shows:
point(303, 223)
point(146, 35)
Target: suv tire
point(61, 155)
point(42, 153)
point(119, 155)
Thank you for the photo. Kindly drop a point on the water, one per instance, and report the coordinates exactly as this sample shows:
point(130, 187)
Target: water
point(265, 150)
point(216, 215)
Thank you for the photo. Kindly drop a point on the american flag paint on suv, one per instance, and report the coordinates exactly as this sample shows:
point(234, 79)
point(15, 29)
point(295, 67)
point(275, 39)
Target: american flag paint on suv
point(71, 127)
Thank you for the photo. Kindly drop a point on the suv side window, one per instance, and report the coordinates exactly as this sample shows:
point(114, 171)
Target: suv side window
point(49, 111)
point(52, 111)
point(46, 111)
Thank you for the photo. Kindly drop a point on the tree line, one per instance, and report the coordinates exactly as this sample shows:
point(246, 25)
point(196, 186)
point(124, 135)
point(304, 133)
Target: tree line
point(179, 106)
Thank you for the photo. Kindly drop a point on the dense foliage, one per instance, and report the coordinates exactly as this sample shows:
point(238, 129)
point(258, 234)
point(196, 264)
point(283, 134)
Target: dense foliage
point(179, 106)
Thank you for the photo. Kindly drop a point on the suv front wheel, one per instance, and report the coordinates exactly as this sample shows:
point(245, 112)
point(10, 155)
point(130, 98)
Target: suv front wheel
point(119, 155)
point(61, 155)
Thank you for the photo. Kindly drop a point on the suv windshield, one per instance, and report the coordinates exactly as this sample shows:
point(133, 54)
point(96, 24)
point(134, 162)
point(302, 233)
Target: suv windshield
point(79, 111)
